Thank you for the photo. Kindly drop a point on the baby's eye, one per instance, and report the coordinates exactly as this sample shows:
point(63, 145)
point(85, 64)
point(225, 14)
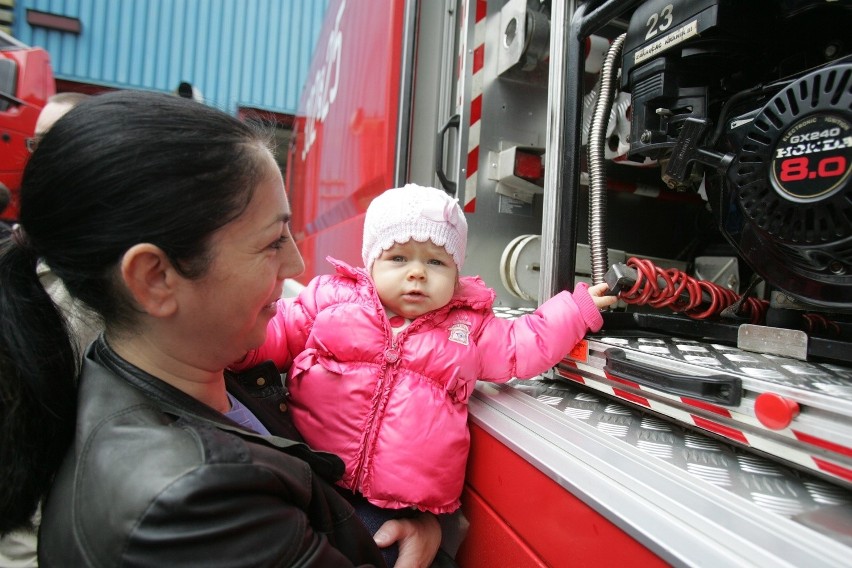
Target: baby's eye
point(437, 262)
point(398, 258)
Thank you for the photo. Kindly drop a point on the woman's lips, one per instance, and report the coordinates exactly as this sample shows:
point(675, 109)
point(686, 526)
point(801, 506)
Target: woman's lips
point(271, 306)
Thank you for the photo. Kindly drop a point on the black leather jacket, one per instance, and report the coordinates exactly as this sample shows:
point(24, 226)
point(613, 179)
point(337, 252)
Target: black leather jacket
point(156, 478)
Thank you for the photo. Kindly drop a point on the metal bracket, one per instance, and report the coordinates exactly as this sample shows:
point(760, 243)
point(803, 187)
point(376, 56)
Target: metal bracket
point(773, 341)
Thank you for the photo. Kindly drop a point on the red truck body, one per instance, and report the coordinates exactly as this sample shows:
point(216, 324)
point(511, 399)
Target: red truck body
point(26, 82)
point(683, 132)
point(343, 147)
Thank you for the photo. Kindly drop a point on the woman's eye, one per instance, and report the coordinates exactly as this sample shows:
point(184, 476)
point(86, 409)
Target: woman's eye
point(279, 242)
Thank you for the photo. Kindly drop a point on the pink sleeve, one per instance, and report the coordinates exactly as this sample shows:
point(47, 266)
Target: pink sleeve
point(590, 312)
point(533, 343)
point(287, 331)
point(274, 347)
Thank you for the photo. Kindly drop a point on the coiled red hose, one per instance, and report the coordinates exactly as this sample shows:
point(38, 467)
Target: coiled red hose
point(698, 299)
point(818, 324)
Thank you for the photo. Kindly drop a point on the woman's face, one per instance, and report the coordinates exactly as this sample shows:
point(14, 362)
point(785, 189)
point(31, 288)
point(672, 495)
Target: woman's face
point(228, 308)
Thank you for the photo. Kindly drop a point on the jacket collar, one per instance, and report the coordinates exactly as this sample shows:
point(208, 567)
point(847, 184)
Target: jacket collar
point(165, 395)
point(174, 401)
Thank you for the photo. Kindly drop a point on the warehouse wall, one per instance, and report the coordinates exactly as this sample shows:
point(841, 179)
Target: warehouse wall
point(236, 53)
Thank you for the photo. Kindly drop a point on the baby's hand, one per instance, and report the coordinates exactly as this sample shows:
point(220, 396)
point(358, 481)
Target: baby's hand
point(597, 293)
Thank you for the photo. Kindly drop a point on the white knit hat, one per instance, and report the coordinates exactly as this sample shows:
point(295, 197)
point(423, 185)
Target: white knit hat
point(414, 212)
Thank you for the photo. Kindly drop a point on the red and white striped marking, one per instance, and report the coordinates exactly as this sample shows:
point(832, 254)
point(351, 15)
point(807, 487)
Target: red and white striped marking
point(773, 447)
point(477, 52)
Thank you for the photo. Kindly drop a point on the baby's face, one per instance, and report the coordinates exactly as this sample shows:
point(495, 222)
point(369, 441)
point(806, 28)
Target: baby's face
point(415, 278)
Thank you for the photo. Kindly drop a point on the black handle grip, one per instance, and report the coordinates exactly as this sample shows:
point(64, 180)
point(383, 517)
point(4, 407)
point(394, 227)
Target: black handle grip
point(450, 186)
point(717, 389)
point(687, 149)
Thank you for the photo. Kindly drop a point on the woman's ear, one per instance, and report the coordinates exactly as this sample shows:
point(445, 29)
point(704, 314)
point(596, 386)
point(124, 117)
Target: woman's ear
point(150, 277)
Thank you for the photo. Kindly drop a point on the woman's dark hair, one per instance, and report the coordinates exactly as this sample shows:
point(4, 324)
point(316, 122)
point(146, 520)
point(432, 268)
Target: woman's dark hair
point(5, 197)
point(117, 170)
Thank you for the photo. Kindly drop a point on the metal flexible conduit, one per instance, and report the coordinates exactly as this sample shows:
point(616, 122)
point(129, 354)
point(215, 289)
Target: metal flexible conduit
point(597, 169)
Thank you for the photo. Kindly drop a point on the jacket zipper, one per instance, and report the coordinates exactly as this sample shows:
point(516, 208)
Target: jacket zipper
point(391, 357)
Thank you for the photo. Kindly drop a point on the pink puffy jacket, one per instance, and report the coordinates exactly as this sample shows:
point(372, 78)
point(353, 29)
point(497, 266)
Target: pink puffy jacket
point(395, 408)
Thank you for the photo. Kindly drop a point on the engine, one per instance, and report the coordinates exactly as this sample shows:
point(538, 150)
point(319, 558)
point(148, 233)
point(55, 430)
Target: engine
point(750, 103)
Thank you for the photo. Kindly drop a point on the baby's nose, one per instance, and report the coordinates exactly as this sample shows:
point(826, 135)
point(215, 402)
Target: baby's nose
point(416, 270)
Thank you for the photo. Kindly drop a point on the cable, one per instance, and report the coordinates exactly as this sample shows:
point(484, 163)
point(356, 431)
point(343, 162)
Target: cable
point(674, 289)
point(818, 324)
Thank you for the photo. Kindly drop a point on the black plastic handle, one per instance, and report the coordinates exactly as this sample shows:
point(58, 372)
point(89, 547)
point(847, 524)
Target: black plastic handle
point(718, 389)
point(687, 150)
point(453, 122)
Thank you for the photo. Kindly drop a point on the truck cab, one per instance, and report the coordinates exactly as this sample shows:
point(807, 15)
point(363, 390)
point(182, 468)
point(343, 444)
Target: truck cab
point(26, 82)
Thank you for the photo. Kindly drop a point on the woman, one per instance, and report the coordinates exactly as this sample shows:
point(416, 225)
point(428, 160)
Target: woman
point(169, 219)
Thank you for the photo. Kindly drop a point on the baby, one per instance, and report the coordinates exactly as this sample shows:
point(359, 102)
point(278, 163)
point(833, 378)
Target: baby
point(381, 360)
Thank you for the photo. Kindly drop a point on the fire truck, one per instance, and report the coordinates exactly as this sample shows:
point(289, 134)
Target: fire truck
point(26, 82)
point(693, 154)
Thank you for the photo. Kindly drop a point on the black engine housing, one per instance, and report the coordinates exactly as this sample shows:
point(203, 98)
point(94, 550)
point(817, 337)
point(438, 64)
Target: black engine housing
point(753, 101)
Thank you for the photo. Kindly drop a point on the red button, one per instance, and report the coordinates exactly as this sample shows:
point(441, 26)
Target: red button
point(774, 411)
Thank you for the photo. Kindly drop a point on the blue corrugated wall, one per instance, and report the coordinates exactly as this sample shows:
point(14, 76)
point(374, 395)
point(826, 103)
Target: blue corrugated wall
point(238, 53)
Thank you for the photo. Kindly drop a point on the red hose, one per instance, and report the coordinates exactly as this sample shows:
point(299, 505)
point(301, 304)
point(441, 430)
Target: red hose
point(698, 299)
point(702, 299)
point(817, 324)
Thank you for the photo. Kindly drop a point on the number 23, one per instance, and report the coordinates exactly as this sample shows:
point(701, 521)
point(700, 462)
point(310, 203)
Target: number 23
point(664, 18)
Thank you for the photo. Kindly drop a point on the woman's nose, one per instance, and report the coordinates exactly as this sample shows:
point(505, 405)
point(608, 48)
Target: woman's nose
point(291, 264)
